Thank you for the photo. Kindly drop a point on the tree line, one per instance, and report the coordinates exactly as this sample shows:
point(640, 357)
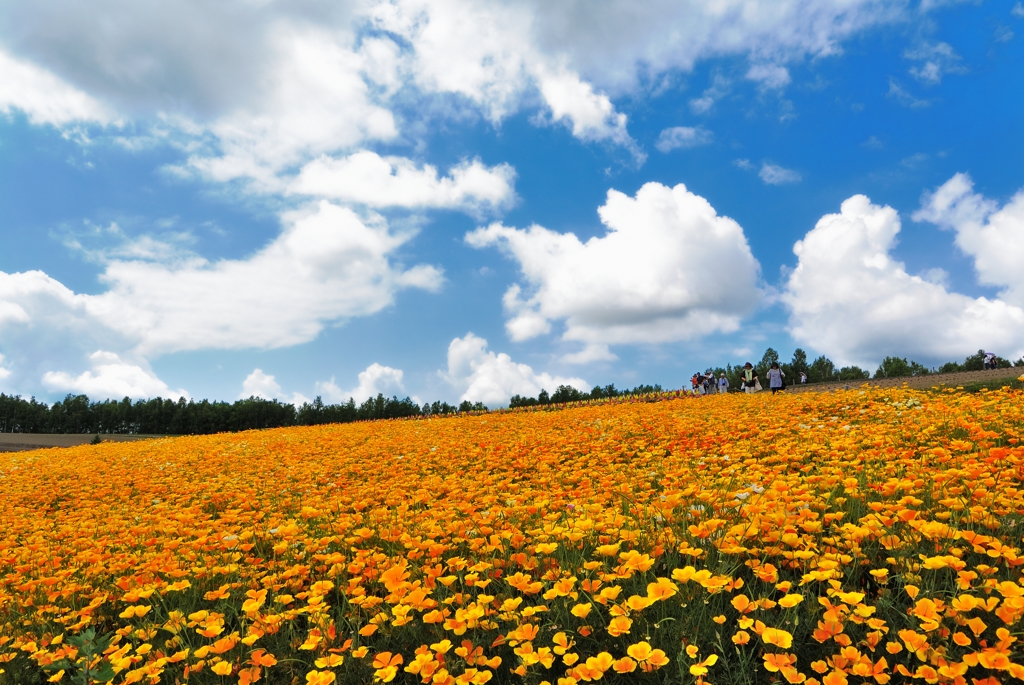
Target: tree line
point(567, 393)
point(158, 416)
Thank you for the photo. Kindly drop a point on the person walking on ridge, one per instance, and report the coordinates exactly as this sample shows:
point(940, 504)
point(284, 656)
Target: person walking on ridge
point(749, 377)
point(775, 378)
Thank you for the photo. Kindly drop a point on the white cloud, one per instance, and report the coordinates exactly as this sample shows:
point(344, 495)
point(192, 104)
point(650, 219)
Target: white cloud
point(719, 88)
point(667, 268)
point(590, 354)
point(111, 378)
point(683, 137)
point(259, 384)
point(901, 95)
point(43, 325)
point(314, 100)
point(590, 115)
point(744, 164)
point(376, 379)
point(936, 60)
point(1018, 10)
point(254, 90)
point(483, 376)
point(367, 178)
point(44, 98)
point(328, 265)
point(773, 174)
point(4, 372)
point(992, 235)
point(851, 300)
point(771, 76)
point(265, 386)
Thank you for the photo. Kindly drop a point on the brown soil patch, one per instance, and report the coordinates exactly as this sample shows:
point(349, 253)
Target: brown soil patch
point(19, 442)
point(950, 380)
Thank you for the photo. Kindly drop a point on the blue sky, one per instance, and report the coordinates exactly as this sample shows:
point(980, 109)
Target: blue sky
point(468, 200)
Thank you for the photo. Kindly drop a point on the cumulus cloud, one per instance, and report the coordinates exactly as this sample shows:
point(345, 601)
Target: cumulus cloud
point(255, 89)
point(265, 386)
point(935, 61)
point(589, 114)
point(4, 372)
point(327, 266)
point(484, 376)
point(770, 76)
point(259, 384)
point(668, 268)
point(992, 235)
point(683, 137)
point(44, 98)
point(376, 379)
point(774, 175)
point(849, 298)
point(367, 178)
point(111, 378)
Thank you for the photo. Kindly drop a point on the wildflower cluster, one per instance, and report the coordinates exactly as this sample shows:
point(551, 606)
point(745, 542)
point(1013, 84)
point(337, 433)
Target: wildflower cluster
point(864, 536)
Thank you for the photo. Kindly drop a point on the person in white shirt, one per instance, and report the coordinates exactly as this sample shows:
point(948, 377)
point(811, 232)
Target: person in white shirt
point(775, 376)
point(723, 384)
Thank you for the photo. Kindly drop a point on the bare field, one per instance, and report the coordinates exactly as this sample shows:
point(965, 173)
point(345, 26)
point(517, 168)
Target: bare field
point(19, 442)
point(950, 380)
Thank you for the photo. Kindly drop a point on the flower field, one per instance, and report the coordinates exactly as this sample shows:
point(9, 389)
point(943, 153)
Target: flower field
point(851, 537)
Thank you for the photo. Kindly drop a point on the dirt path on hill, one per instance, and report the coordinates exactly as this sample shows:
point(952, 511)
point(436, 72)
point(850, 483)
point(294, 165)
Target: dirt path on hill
point(950, 380)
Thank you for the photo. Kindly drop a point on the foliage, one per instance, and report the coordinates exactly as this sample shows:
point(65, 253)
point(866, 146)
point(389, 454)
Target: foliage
point(852, 373)
point(899, 367)
point(976, 362)
point(77, 415)
point(821, 370)
point(565, 394)
point(799, 362)
point(770, 357)
point(818, 538)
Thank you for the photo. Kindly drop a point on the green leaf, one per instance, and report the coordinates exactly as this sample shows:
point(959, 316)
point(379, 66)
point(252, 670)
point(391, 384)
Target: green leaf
point(104, 674)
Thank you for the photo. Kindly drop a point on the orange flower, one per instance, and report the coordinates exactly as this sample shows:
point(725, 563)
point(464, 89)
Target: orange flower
point(619, 625)
point(777, 637)
point(320, 678)
point(624, 665)
point(741, 637)
point(776, 662)
point(701, 668)
point(834, 678)
point(221, 668)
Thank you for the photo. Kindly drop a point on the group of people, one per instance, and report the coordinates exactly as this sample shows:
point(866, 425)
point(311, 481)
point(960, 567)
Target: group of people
point(706, 384)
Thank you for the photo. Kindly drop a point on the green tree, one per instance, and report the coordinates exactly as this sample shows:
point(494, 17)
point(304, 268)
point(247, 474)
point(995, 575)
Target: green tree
point(853, 373)
point(893, 367)
point(899, 367)
point(770, 357)
point(821, 370)
point(566, 393)
point(799, 362)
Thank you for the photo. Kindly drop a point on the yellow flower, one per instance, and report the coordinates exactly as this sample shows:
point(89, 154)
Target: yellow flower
point(221, 668)
point(790, 601)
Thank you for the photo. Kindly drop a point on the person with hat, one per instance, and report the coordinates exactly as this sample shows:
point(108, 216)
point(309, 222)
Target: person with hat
point(749, 377)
